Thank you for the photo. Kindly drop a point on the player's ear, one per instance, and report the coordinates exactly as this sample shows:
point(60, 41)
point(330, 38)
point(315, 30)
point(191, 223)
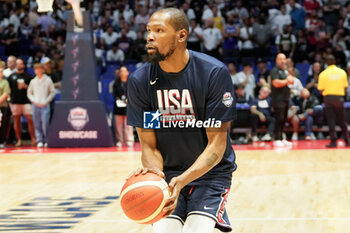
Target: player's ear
point(182, 34)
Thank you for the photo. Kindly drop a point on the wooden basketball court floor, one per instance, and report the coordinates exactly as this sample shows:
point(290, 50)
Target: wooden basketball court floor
point(304, 189)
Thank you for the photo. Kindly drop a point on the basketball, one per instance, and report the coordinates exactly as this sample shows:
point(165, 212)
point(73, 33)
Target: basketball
point(143, 197)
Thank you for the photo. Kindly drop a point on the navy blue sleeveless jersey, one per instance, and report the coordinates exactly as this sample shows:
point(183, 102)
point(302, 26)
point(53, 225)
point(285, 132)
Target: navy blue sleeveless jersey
point(202, 91)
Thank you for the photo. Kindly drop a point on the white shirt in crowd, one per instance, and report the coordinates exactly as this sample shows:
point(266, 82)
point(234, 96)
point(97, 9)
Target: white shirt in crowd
point(41, 91)
point(247, 44)
point(296, 88)
point(281, 20)
point(118, 55)
point(249, 87)
point(211, 37)
point(193, 37)
point(7, 72)
point(110, 39)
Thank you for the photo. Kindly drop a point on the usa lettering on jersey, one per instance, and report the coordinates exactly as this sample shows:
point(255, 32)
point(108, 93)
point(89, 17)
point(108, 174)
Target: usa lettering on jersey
point(175, 105)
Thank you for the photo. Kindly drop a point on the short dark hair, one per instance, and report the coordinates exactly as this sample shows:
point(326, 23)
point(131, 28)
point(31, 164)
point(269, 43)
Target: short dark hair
point(330, 59)
point(176, 18)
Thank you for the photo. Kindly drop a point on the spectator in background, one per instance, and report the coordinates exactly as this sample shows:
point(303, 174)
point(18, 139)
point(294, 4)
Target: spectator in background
point(212, 39)
point(109, 37)
point(20, 104)
point(5, 113)
point(311, 5)
point(262, 36)
point(231, 33)
point(241, 96)
point(309, 111)
point(280, 94)
point(312, 81)
point(219, 21)
point(124, 42)
point(189, 12)
point(263, 75)
point(41, 92)
point(115, 54)
point(332, 84)
point(302, 48)
point(142, 17)
point(194, 36)
point(246, 79)
point(232, 69)
point(241, 10)
point(261, 113)
point(124, 132)
point(10, 40)
point(11, 67)
point(298, 16)
point(45, 20)
point(38, 56)
point(245, 43)
point(282, 19)
point(286, 41)
point(100, 55)
point(331, 14)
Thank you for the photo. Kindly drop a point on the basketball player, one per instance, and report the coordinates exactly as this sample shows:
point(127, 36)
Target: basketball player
point(196, 162)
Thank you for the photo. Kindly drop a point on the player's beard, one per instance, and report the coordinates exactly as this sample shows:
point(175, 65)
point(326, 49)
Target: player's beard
point(157, 57)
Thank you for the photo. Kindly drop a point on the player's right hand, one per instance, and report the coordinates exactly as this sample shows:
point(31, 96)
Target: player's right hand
point(144, 170)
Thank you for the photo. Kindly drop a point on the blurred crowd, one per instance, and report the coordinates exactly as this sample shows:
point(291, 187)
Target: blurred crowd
point(246, 35)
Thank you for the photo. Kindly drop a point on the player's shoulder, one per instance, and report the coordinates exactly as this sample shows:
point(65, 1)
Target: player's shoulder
point(204, 60)
point(141, 74)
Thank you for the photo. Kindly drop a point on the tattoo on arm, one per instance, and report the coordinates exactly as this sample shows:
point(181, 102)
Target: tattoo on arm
point(212, 159)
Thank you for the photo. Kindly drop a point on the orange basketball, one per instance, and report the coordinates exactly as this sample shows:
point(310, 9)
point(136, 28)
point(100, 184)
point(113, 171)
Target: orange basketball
point(143, 197)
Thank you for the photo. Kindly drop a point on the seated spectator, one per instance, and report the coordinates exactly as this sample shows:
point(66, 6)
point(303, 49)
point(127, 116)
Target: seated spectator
point(308, 111)
point(41, 92)
point(142, 16)
point(232, 69)
point(241, 96)
point(124, 42)
point(115, 54)
point(260, 109)
point(5, 114)
point(109, 37)
point(246, 79)
point(312, 81)
point(302, 48)
point(138, 48)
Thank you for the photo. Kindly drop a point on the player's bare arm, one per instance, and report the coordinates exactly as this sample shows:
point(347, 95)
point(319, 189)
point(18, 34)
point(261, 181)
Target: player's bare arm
point(151, 157)
point(209, 158)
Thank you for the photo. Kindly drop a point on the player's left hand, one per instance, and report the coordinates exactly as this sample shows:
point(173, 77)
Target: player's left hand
point(175, 186)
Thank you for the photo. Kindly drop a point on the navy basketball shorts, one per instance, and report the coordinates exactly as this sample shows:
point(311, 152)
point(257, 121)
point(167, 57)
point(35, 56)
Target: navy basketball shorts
point(206, 200)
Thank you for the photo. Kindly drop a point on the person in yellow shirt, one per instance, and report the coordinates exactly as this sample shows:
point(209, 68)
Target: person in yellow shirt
point(332, 83)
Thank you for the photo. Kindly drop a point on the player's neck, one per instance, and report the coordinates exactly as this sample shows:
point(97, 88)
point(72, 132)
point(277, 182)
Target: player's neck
point(176, 62)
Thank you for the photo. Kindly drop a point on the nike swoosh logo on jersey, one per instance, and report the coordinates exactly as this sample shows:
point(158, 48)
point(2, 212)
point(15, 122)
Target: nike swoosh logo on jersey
point(207, 208)
point(153, 82)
